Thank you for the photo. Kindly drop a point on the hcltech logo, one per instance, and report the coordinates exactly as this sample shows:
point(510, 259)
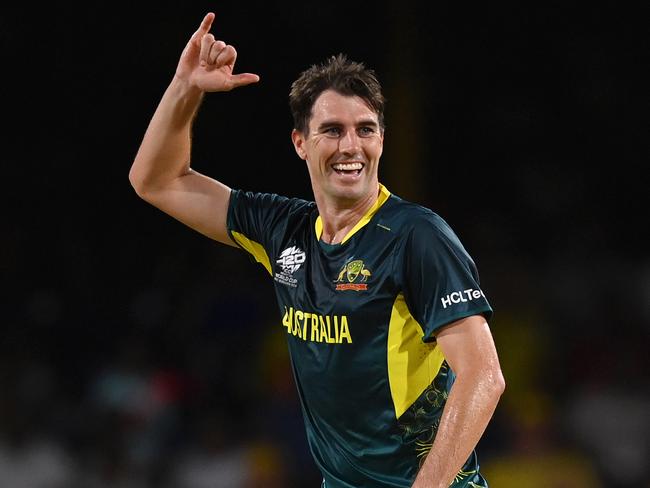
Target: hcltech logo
point(289, 261)
point(353, 276)
point(461, 296)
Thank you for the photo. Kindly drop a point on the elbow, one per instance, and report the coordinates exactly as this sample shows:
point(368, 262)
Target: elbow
point(133, 177)
point(137, 183)
point(496, 384)
point(492, 383)
point(488, 382)
point(499, 383)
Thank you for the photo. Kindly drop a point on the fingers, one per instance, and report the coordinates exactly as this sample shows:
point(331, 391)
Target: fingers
point(221, 54)
point(216, 53)
point(206, 46)
point(204, 28)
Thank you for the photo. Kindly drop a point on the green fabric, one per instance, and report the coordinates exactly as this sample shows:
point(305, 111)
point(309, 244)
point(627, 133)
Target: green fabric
point(335, 302)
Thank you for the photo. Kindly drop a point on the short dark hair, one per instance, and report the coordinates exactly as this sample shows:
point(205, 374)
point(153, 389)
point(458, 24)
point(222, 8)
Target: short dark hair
point(337, 73)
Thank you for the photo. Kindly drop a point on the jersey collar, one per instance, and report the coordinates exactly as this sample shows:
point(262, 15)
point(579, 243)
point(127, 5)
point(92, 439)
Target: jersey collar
point(381, 199)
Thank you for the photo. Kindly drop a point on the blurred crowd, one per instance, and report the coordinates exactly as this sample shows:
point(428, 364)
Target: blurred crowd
point(177, 376)
point(185, 385)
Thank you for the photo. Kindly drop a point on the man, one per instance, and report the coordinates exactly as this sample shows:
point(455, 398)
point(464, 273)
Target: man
point(381, 303)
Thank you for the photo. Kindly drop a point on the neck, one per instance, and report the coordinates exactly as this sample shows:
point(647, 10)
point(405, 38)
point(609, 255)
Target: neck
point(339, 217)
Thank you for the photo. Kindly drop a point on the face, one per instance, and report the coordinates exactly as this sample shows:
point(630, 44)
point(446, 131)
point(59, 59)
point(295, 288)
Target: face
point(342, 148)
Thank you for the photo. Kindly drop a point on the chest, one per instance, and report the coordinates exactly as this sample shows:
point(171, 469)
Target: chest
point(335, 294)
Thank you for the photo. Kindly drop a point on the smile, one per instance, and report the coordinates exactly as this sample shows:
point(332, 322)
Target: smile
point(348, 168)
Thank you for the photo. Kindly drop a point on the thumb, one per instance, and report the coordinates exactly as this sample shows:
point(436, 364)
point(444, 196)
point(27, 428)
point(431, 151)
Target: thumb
point(243, 79)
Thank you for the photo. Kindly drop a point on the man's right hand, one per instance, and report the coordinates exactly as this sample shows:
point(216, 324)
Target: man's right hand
point(208, 64)
point(161, 172)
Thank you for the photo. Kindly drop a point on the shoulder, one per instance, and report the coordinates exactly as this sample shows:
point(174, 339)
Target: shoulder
point(270, 202)
point(417, 221)
point(264, 199)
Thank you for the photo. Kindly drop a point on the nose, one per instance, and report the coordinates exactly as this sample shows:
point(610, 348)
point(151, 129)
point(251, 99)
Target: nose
point(349, 143)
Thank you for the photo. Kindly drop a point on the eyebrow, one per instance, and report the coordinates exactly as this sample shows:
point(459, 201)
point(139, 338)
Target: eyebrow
point(335, 123)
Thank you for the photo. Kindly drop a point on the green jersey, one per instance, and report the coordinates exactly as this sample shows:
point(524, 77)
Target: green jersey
point(361, 319)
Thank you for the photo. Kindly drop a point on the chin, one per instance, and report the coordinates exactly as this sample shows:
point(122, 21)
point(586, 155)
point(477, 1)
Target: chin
point(350, 193)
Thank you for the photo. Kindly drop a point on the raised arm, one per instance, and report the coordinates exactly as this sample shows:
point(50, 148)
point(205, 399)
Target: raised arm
point(469, 349)
point(161, 172)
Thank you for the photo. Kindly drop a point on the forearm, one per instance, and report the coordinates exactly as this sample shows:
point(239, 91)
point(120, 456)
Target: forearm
point(164, 153)
point(471, 403)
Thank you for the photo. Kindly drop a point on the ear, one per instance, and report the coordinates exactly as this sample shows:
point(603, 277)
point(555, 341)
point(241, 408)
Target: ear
point(298, 140)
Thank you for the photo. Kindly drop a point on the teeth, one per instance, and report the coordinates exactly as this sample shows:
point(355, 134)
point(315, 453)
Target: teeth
point(347, 166)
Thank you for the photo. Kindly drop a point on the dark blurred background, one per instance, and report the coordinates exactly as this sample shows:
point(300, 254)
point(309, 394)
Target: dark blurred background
point(135, 352)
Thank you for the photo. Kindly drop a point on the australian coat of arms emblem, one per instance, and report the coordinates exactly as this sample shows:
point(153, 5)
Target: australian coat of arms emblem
point(353, 276)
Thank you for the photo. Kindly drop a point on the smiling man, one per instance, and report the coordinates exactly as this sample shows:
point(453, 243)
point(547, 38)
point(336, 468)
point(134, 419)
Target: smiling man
point(385, 319)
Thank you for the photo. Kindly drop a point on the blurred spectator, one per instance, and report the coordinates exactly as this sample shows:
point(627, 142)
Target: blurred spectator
point(29, 456)
point(613, 424)
point(136, 407)
point(536, 457)
point(608, 411)
point(219, 458)
point(30, 462)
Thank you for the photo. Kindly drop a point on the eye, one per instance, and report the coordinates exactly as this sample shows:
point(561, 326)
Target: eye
point(332, 131)
point(365, 131)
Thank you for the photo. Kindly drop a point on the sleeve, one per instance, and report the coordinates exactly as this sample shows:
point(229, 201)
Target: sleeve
point(256, 221)
point(441, 279)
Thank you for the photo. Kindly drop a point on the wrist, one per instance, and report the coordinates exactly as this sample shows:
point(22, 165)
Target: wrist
point(180, 103)
point(183, 88)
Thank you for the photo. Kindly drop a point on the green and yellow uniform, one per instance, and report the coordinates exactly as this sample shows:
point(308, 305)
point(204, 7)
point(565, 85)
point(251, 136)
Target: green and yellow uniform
point(361, 319)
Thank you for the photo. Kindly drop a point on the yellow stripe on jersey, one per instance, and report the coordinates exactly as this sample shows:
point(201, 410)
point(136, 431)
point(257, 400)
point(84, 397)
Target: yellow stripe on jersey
point(255, 248)
point(383, 196)
point(412, 364)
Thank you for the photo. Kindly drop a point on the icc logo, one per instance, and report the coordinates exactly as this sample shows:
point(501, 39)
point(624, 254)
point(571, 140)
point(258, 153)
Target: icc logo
point(353, 276)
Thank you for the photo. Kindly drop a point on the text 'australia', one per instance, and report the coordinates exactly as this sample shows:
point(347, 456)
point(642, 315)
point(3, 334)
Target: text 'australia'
point(309, 326)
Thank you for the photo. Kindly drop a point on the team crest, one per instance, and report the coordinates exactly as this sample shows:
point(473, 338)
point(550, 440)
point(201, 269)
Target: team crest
point(353, 276)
